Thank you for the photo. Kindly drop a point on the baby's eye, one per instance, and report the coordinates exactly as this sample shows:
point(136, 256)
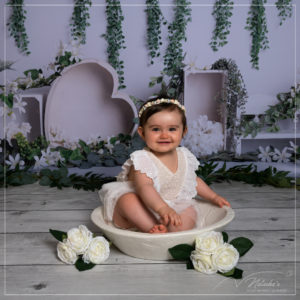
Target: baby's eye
point(155, 129)
point(173, 129)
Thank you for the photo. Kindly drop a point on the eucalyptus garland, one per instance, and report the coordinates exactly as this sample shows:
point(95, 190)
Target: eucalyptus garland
point(285, 9)
point(234, 95)
point(80, 19)
point(257, 25)
point(115, 38)
point(16, 25)
point(222, 12)
point(174, 53)
point(154, 20)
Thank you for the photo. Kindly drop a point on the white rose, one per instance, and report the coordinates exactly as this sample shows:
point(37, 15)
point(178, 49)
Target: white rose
point(202, 262)
point(79, 238)
point(97, 252)
point(209, 241)
point(66, 253)
point(225, 258)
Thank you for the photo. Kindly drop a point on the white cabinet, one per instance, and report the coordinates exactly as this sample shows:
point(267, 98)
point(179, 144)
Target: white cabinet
point(202, 88)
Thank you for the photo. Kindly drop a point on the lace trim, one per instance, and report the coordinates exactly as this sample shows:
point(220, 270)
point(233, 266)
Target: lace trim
point(142, 162)
point(188, 190)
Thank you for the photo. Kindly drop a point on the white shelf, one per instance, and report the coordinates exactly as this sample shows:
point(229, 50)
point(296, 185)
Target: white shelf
point(273, 135)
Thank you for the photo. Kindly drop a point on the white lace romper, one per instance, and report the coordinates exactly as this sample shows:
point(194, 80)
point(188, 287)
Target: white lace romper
point(176, 189)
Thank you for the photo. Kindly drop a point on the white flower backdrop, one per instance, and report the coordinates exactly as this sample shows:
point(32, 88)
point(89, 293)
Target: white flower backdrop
point(204, 137)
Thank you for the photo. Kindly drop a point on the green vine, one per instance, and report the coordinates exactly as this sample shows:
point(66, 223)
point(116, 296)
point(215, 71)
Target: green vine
point(115, 38)
point(285, 9)
point(80, 18)
point(16, 25)
point(257, 25)
point(222, 12)
point(154, 20)
point(174, 53)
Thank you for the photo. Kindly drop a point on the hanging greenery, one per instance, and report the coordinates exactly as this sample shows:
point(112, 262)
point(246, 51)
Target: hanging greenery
point(222, 12)
point(174, 53)
point(257, 25)
point(80, 20)
point(154, 20)
point(285, 9)
point(115, 38)
point(16, 25)
point(234, 95)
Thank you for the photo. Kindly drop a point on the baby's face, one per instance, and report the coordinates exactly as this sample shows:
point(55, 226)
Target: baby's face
point(163, 131)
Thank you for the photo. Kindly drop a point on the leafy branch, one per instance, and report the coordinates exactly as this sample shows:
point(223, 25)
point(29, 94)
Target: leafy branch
point(115, 38)
point(257, 25)
point(6, 65)
point(154, 20)
point(80, 18)
point(16, 25)
point(222, 12)
point(286, 108)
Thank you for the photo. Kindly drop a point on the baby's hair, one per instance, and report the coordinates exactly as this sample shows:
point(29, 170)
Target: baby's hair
point(153, 109)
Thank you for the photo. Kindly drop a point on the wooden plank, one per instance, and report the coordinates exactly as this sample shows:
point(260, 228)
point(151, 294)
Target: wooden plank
point(90, 200)
point(234, 186)
point(41, 221)
point(60, 201)
point(168, 279)
point(40, 249)
point(241, 186)
point(36, 188)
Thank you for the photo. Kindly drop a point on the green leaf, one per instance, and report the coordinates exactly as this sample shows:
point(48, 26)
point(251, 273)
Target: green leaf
point(34, 73)
point(181, 251)
point(242, 245)
point(45, 181)
point(59, 235)
point(8, 100)
point(45, 172)
point(82, 266)
point(229, 273)
point(76, 155)
point(225, 236)
point(237, 274)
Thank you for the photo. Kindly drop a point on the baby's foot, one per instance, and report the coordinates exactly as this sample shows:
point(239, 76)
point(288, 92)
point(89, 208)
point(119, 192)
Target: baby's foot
point(158, 228)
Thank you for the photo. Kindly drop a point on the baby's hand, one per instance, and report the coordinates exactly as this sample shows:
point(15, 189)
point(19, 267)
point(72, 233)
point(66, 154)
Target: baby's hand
point(220, 201)
point(169, 215)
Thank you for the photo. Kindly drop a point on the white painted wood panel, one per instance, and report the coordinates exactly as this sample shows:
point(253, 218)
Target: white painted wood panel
point(147, 279)
point(41, 221)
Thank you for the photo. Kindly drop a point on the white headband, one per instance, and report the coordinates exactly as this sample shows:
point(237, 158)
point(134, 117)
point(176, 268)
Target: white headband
point(159, 101)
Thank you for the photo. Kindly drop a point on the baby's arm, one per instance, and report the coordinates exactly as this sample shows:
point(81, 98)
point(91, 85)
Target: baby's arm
point(151, 198)
point(204, 191)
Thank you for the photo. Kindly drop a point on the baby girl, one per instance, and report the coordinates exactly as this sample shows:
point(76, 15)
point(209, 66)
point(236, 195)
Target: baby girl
point(155, 191)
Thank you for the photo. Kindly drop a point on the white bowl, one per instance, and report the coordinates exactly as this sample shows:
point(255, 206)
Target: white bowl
point(155, 246)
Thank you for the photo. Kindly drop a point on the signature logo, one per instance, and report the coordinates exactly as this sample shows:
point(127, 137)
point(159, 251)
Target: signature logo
point(260, 282)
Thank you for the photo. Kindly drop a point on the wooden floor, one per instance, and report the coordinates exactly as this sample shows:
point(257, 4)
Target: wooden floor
point(266, 215)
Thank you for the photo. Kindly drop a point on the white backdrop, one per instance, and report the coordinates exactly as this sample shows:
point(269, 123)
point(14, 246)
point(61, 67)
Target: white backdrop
point(48, 21)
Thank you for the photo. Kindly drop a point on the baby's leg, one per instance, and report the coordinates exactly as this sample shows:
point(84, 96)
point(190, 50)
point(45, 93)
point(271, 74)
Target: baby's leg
point(188, 219)
point(130, 212)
